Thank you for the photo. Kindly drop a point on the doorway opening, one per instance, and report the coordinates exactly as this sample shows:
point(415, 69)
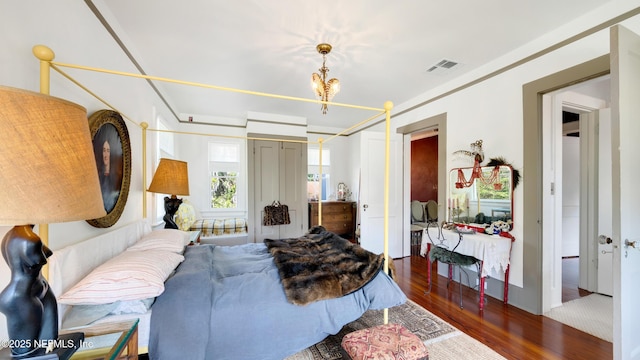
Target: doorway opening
point(570, 146)
point(424, 165)
point(434, 127)
point(570, 206)
point(424, 182)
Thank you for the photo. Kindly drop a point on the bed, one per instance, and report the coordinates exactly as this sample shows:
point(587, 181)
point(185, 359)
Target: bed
point(343, 309)
point(221, 302)
point(227, 302)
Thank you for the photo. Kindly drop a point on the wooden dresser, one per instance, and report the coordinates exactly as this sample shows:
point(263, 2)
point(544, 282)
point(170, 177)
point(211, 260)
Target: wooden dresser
point(337, 216)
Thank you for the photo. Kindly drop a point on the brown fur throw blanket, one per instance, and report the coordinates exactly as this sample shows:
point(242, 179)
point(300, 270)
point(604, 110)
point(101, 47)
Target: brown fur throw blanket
point(321, 265)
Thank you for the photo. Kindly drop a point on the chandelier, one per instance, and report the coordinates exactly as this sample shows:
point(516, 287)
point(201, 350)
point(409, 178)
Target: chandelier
point(325, 90)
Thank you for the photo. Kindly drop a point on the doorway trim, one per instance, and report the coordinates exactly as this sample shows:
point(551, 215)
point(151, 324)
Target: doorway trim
point(532, 293)
point(434, 122)
point(554, 226)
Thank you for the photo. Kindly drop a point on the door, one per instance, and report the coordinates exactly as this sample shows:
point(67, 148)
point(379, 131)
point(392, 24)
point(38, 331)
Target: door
point(625, 127)
point(293, 187)
point(279, 174)
point(569, 161)
point(372, 150)
point(605, 249)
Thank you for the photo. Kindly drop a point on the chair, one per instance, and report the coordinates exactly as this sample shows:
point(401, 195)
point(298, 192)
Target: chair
point(418, 225)
point(418, 214)
point(441, 253)
point(431, 211)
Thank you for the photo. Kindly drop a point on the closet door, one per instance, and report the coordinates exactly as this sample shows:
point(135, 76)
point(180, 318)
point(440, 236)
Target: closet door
point(279, 174)
point(293, 183)
point(266, 184)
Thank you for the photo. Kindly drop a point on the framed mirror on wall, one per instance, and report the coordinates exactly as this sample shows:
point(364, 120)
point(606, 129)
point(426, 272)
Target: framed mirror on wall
point(480, 195)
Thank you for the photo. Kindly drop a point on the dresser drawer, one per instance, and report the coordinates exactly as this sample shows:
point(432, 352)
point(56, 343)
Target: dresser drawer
point(337, 208)
point(326, 218)
point(340, 228)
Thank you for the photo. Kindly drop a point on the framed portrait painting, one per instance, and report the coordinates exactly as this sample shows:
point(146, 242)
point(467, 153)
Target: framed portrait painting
point(112, 151)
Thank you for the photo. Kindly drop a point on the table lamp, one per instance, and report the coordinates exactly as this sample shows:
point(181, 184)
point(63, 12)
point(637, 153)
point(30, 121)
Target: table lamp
point(48, 175)
point(171, 178)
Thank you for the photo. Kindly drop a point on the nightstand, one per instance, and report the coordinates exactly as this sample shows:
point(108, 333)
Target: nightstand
point(108, 341)
point(194, 237)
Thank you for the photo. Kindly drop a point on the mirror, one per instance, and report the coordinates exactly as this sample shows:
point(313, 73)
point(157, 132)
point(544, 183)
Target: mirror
point(480, 195)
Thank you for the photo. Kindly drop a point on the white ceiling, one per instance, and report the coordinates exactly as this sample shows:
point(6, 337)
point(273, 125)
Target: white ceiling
point(381, 49)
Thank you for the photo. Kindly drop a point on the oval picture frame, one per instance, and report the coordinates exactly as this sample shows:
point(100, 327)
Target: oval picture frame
point(112, 150)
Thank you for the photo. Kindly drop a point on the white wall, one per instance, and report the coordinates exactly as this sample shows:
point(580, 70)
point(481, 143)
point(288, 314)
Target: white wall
point(194, 150)
point(340, 163)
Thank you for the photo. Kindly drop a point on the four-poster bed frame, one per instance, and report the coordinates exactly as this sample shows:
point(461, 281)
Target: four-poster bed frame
point(46, 56)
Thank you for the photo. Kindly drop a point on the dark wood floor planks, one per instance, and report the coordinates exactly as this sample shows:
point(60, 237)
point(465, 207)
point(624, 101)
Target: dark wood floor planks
point(512, 332)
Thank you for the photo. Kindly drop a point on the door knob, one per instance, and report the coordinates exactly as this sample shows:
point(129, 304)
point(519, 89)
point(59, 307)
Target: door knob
point(365, 206)
point(604, 239)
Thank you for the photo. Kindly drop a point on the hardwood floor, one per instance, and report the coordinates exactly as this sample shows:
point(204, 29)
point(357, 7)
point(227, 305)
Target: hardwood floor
point(512, 332)
point(570, 280)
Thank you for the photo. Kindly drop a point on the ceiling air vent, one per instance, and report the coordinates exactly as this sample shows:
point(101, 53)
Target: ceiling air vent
point(442, 66)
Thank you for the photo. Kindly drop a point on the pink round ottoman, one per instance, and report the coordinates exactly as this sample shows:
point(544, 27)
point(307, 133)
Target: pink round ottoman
point(384, 342)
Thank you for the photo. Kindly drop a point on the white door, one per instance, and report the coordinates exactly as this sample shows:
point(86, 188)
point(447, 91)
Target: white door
point(625, 127)
point(372, 150)
point(266, 184)
point(605, 250)
point(293, 187)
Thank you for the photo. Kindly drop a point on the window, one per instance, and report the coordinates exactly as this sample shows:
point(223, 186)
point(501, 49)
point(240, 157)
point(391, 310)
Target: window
point(313, 174)
point(225, 175)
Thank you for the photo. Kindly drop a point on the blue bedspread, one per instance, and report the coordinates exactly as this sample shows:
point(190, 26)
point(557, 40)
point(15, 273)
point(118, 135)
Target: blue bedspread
point(226, 302)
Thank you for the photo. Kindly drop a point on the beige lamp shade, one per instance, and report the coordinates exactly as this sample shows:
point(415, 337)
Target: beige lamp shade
point(47, 165)
point(171, 177)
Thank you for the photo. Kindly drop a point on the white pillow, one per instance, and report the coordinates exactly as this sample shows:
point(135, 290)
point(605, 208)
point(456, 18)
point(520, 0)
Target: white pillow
point(132, 275)
point(163, 239)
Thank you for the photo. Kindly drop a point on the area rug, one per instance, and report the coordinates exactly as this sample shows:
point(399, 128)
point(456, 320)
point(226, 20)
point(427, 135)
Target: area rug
point(443, 340)
point(592, 314)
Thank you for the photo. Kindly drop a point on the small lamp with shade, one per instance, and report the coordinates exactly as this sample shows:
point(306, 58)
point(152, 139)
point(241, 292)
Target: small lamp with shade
point(48, 176)
point(172, 178)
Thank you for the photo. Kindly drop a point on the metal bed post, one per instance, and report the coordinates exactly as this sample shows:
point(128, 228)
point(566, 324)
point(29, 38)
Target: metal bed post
point(144, 127)
point(320, 180)
point(45, 55)
point(387, 108)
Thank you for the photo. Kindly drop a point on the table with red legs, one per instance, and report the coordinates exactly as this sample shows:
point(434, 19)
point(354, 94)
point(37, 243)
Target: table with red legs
point(493, 252)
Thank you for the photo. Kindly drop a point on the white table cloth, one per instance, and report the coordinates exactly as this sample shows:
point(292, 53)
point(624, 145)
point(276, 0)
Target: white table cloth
point(493, 250)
